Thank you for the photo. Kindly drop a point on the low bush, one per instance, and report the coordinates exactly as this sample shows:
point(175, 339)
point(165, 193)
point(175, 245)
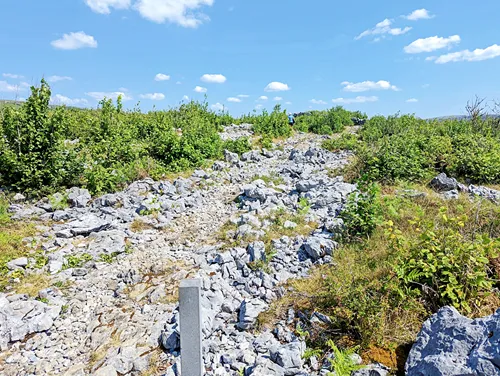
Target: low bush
point(274, 124)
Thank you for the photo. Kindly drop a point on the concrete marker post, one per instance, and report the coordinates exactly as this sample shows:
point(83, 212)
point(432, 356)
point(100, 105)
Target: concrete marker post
point(190, 327)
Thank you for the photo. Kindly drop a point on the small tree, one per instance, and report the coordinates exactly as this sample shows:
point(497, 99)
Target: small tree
point(31, 157)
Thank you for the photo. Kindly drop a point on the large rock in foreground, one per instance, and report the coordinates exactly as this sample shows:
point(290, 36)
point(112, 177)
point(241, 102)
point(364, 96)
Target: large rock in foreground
point(451, 344)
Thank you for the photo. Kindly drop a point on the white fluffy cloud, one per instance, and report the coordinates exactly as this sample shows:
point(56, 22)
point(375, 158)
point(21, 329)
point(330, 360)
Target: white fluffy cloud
point(382, 28)
point(276, 86)
point(6, 87)
point(234, 99)
point(185, 98)
point(180, 12)
point(153, 96)
point(412, 100)
point(277, 99)
point(288, 103)
point(74, 41)
point(162, 77)
point(200, 89)
point(431, 44)
point(368, 85)
point(317, 101)
point(217, 107)
point(478, 54)
point(359, 99)
point(58, 78)
point(419, 14)
point(263, 98)
point(213, 78)
point(13, 76)
point(243, 96)
point(61, 99)
point(98, 95)
point(104, 6)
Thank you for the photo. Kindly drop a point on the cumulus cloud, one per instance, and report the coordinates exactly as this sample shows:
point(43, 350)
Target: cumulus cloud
point(419, 14)
point(288, 103)
point(276, 86)
point(74, 41)
point(382, 28)
point(153, 96)
point(13, 76)
point(8, 88)
point(185, 98)
point(258, 107)
point(59, 99)
point(234, 99)
point(180, 12)
point(368, 85)
point(478, 54)
point(104, 6)
point(263, 98)
point(217, 107)
point(359, 99)
point(431, 44)
point(58, 78)
point(277, 99)
point(412, 100)
point(200, 89)
point(243, 96)
point(162, 77)
point(99, 95)
point(213, 78)
point(317, 101)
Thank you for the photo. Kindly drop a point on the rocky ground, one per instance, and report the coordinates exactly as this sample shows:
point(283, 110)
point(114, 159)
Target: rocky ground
point(113, 264)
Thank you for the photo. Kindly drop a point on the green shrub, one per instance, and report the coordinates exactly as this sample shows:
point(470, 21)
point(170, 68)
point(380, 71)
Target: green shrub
point(239, 146)
point(361, 213)
point(342, 363)
point(32, 154)
point(443, 265)
point(347, 141)
point(274, 124)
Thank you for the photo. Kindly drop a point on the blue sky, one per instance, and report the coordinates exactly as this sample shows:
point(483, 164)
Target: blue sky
point(423, 57)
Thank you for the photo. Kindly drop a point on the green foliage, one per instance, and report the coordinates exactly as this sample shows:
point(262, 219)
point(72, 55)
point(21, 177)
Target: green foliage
point(32, 151)
point(347, 141)
point(342, 363)
point(274, 124)
point(266, 142)
point(361, 213)
point(330, 121)
point(76, 261)
point(443, 264)
point(59, 201)
point(309, 353)
point(303, 206)
point(407, 148)
point(239, 146)
point(108, 258)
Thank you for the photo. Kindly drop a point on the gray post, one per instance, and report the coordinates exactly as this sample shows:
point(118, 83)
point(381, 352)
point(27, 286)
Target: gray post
point(190, 327)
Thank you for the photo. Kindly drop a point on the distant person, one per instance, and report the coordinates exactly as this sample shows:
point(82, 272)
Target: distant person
point(291, 119)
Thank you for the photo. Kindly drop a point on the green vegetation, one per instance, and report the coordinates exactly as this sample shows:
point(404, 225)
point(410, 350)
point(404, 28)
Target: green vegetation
point(76, 261)
point(330, 121)
point(274, 124)
point(398, 148)
point(342, 363)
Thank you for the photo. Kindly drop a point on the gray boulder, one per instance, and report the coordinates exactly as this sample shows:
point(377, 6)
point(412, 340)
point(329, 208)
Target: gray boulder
point(21, 262)
point(488, 193)
point(257, 251)
point(443, 183)
point(78, 197)
point(253, 155)
point(317, 247)
point(87, 224)
point(266, 369)
point(451, 344)
point(289, 357)
point(249, 311)
point(231, 157)
point(18, 197)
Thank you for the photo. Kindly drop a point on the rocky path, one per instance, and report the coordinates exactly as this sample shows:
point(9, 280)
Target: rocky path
point(115, 262)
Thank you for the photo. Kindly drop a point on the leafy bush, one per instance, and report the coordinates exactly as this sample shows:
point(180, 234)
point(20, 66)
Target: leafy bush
point(443, 264)
point(407, 148)
point(342, 363)
point(274, 124)
point(330, 121)
point(361, 213)
point(32, 154)
point(239, 146)
point(347, 141)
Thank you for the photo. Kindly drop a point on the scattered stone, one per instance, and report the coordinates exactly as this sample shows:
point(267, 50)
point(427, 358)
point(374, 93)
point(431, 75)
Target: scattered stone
point(78, 197)
point(443, 183)
point(18, 197)
point(21, 262)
